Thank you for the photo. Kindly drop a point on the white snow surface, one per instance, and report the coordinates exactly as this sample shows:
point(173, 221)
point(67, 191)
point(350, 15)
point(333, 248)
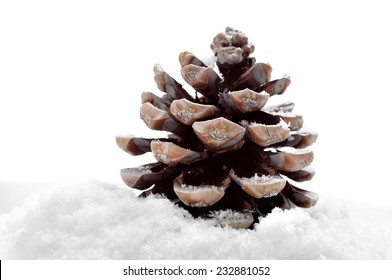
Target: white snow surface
point(96, 220)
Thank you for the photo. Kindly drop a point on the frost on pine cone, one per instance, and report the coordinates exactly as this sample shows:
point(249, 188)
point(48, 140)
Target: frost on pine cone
point(227, 156)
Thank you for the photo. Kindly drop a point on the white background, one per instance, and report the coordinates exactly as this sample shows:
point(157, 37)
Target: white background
point(71, 74)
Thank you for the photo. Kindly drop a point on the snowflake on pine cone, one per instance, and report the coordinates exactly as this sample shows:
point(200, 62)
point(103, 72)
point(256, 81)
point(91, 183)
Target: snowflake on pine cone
point(228, 157)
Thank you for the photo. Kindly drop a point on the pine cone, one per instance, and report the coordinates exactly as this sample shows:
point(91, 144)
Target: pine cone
point(226, 157)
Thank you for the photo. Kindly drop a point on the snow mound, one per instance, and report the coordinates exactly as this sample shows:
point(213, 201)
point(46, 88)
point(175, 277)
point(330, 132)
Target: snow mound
point(102, 221)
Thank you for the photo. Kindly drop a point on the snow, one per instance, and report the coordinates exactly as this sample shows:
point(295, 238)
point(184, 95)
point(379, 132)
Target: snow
point(260, 179)
point(198, 188)
point(140, 169)
point(96, 220)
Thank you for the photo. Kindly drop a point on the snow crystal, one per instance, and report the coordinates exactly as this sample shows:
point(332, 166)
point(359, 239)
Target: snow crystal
point(260, 179)
point(281, 123)
point(103, 221)
point(219, 134)
point(230, 218)
point(185, 115)
point(228, 214)
point(142, 169)
point(163, 158)
point(251, 102)
point(244, 123)
point(191, 75)
point(199, 204)
point(188, 187)
point(284, 124)
point(271, 194)
point(196, 188)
